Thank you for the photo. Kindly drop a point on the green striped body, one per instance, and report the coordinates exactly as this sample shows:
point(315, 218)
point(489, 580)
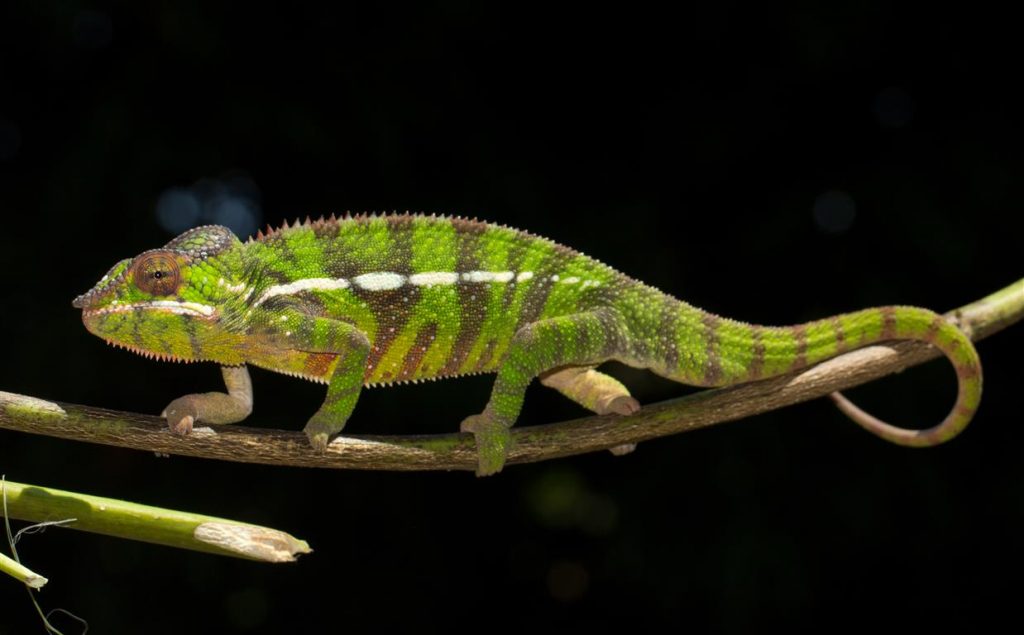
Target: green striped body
point(460, 290)
point(374, 300)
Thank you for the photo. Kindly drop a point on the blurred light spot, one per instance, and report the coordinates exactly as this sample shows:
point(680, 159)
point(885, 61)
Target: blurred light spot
point(834, 212)
point(567, 581)
point(560, 499)
point(92, 30)
point(893, 107)
point(178, 209)
point(10, 140)
point(246, 609)
point(234, 213)
point(233, 202)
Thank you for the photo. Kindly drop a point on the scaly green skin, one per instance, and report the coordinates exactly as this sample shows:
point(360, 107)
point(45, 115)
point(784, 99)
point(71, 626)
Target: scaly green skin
point(375, 300)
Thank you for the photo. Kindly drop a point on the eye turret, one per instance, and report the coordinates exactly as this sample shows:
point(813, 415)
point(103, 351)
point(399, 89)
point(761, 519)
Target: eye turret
point(156, 273)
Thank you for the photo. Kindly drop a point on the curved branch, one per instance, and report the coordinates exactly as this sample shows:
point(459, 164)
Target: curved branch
point(531, 443)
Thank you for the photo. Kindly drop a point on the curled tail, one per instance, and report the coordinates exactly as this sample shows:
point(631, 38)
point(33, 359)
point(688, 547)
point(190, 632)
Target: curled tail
point(912, 323)
point(732, 352)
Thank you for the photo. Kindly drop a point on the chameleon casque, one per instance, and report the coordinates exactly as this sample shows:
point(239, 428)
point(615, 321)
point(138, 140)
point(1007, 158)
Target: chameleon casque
point(376, 299)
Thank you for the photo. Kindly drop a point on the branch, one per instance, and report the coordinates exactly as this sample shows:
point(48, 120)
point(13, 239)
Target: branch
point(169, 527)
point(21, 573)
point(531, 443)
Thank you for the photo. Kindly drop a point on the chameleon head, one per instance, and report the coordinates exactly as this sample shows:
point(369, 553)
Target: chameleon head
point(168, 303)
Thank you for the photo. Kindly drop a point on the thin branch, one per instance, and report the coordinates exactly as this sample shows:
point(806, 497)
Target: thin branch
point(157, 525)
point(20, 572)
point(532, 443)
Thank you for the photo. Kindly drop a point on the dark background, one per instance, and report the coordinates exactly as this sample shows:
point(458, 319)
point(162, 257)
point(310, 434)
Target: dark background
point(774, 165)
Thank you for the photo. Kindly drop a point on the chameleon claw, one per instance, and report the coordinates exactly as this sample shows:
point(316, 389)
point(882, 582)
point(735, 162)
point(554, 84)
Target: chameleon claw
point(621, 405)
point(183, 426)
point(623, 449)
point(319, 430)
point(319, 441)
point(180, 415)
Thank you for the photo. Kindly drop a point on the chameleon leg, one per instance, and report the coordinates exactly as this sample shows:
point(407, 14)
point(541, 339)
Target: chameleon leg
point(594, 391)
point(591, 389)
point(300, 332)
point(579, 339)
point(213, 407)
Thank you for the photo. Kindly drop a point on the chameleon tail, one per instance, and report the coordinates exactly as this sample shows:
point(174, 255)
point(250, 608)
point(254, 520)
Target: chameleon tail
point(961, 353)
point(734, 352)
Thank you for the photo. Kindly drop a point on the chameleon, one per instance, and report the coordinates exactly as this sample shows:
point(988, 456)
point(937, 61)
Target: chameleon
point(371, 300)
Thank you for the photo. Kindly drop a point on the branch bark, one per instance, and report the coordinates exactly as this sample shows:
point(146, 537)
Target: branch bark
point(531, 443)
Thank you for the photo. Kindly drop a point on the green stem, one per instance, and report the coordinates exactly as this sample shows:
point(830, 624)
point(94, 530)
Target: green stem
point(20, 572)
point(152, 524)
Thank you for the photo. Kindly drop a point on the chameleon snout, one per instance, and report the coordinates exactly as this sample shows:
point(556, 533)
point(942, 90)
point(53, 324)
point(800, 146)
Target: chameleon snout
point(81, 301)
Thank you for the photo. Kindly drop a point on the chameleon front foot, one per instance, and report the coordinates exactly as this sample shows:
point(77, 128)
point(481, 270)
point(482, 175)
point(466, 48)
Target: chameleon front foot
point(319, 431)
point(212, 407)
point(493, 441)
point(181, 414)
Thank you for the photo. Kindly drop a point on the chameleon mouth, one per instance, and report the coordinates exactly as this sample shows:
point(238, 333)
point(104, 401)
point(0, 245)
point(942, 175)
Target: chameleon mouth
point(193, 309)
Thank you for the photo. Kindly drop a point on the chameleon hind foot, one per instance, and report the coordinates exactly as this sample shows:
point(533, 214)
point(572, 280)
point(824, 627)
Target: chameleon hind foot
point(595, 391)
point(592, 389)
point(493, 441)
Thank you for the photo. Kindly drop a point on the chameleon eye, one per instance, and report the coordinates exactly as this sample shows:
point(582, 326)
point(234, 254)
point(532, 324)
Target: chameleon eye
point(156, 273)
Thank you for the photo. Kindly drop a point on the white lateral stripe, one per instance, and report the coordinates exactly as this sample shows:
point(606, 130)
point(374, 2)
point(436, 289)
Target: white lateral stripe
point(179, 308)
point(429, 278)
point(308, 284)
point(387, 280)
point(488, 276)
point(380, 280)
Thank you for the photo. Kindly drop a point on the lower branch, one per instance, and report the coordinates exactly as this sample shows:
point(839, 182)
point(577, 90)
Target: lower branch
point(149, 524)
point(531, 443)
point(21, 573)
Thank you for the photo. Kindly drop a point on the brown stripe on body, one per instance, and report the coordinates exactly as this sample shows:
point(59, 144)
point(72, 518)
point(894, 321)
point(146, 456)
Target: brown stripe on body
point(486, 356)
point(137, 329)
point(614, 336)
point(967, 371)
point(757, 358)
point(393, 308)
point(541, 284)
point(417, 352)
point(964, 410)
point(536, 296)
point(800, 355)
point(667, 330)
point(933, 329)
point(713, 370)
point(888, 322)
point(393, 313)
point(193, 340)
point(837, 327)
point(472, 311)
point(317, 364)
